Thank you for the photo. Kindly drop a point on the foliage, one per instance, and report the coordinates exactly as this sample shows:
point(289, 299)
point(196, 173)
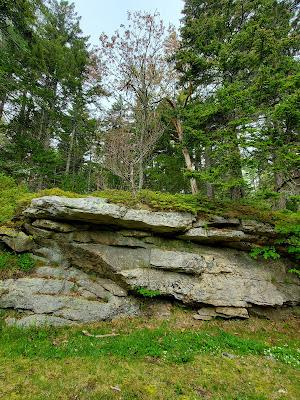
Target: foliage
point(137, 74)
point(267, 252)
point(288, 226)
point(214, 111)
point(239, 66)
point(10, 195)
point(148, 292)
point(295, 271)
point(47, 80)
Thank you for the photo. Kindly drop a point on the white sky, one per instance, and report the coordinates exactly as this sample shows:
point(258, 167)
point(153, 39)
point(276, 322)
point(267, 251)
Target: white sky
point(106, 15)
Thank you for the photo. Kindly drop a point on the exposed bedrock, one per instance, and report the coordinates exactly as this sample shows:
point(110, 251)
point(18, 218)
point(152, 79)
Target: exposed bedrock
point(97, 256)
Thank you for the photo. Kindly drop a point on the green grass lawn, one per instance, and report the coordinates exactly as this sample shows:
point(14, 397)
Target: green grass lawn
point(151, 359)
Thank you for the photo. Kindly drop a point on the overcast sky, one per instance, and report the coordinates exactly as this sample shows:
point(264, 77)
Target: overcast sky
point(106, 15)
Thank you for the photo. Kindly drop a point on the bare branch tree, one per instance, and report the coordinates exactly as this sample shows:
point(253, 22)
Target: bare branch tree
point(135, 68)
point(125, 150)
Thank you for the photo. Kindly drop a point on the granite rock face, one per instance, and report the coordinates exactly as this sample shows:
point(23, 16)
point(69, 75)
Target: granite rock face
point(98, 255)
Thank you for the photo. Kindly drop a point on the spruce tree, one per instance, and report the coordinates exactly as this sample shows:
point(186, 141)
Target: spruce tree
point(239, 58)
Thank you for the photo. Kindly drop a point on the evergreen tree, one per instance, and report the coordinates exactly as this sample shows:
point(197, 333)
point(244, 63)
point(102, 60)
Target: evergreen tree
point(231, 55)
point(49, 128)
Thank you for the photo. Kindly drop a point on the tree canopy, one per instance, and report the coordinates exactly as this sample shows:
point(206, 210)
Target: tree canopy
point(213, 109)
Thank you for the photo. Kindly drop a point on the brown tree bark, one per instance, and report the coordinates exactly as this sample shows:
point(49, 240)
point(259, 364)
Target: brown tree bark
point(68, 164)
point(187, 157)
point(279, 182)
point(210, 192)
point(237, 191)
point(2, 104)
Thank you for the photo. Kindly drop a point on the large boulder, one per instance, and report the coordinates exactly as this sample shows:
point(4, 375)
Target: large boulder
point(193, 273)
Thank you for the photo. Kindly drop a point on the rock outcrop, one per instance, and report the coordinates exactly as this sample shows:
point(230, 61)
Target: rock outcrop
point(58, 296)
point(97, 256)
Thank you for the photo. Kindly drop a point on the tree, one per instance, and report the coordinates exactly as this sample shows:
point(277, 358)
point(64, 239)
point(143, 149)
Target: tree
point(17, 22)
point(234, 59)
point(273, 39)
point(135, 67)
point(50, 127)
point(124, 147)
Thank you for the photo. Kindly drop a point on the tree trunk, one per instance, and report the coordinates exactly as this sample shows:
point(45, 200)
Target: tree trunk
point(21, 118)
point(210, 192)
point(132, 180)
point(141, 175)
point(47, 119)
point(89, 173)
point(279, 182)
point(68, 164)
point(2, 103)
point(237, 191)
point(187, 158)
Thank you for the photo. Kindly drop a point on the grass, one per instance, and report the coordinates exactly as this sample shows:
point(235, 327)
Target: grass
point(15, 265)
point(150, 359)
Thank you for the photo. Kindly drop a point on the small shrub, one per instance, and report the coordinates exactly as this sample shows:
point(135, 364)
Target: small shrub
point(5, 260)
point(10, 193)
point(267, 252)
point(288, 226)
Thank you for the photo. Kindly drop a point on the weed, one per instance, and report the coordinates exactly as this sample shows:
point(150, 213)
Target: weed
point(267, 252)
point(25, 262)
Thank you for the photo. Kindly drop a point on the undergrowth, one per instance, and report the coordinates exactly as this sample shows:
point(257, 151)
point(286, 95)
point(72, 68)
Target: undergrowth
point(267, 252)
point(14, 198)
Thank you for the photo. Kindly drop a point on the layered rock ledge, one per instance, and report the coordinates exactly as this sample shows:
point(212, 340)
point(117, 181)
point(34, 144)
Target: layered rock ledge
point(97, 256)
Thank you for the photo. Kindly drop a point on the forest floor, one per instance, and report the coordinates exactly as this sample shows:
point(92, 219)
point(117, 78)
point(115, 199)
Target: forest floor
point(178, 358)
